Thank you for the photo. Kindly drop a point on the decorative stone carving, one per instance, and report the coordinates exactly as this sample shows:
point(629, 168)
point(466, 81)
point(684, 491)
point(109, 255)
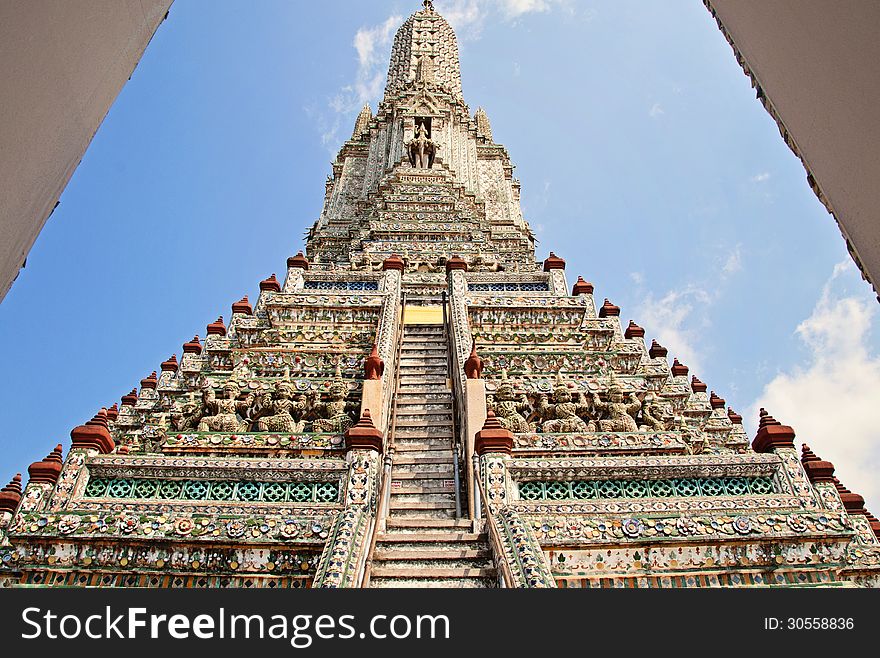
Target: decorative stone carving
point(511, 410)
point(229, 413)
point(621, 410)
point(656, 415)
point(278, 411)
point(334, 413)
point(564, 414)
point(422, 149)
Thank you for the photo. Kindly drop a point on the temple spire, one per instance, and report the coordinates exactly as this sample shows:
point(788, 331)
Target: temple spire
point(362, 124)
point(425, 50)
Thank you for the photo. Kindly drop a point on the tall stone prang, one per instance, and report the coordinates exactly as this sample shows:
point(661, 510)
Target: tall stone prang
point(420, 401)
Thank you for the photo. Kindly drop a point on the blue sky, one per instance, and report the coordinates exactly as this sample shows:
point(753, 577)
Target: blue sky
point(645, 161)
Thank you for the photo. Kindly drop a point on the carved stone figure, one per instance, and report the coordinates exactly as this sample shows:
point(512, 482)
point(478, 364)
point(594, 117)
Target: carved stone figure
point(620, 410)
point(229, 412)
point(279, 412)
point(333, 415)
point(564, 415)
point(187, 416)
point(656, 415)
point(481, 264)
point(511, 411)
point(422, 149)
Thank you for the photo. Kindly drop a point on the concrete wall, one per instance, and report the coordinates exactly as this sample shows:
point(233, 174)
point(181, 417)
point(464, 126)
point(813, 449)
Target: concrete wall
point(816, 62)
point(62, 64)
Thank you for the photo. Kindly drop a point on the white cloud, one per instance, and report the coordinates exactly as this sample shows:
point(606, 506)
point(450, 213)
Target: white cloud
point(763, 177)
point(637, 278)
point(656, 111)
point(674, 321)
point(468, 17)
point(373, 47)
point(733, 263)
point(831, 399)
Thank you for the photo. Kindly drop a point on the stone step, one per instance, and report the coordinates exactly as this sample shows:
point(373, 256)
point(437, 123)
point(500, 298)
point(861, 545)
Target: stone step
point(418, 566)
point(423, 360)
point(401, 444)
point(422, 388)
point(426, 457)
point(414, 472)
point(410, 350)
point(405, 513)
point(439, 419)
point(433, 486)
point(421, 504)
point(385, 554)
point(446, 583)
point(423, 433)
point(401, 542)
point(407, 409)
point(449, 583)
point(434, 422)
point(407, 400)
point(436, 572)
point(421, 379)
point(452, 528)
point(419, 496)
point(405, 471)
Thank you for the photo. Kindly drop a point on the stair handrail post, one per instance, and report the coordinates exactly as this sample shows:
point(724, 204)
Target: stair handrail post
point(491, 527)
point(457, 400)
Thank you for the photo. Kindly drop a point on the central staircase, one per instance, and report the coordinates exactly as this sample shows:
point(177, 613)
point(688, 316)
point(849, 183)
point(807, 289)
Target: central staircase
point(424, 543)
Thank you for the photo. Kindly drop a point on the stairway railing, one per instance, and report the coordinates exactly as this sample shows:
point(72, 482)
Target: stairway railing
point(495, 543)
point(452, 376)
point(388, 461)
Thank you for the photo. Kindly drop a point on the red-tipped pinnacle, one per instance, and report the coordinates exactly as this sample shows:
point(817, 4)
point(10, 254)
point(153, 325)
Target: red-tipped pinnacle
point(735, 418)
point(131, 399)
point(817, 469)
point(364, 435)
point(657, 351)
point(393, 263)
point(554, 262)
point(48, 470)
point(717, 402)
point(679, 369)
point(633, 331)
point(243, 307)
point(609, 310)
point(582, 287)
point(374, 366)
point(697, 386)
point(494, 437)
point(456, 263)
point(150, 381)
point(473, 367)
point(94, 435)
point(170, 365)
point(270, 285)
point(10, 495)
point(299, 261)
point(772, 435)
point(217, 328)
point(193, 347)
point(113, 412)
point(853, 503)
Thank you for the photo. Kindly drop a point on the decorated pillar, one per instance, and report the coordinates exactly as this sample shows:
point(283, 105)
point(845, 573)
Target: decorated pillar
point(93, 438)
point(344, 554)
point(774, 437)
point(475, 416)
